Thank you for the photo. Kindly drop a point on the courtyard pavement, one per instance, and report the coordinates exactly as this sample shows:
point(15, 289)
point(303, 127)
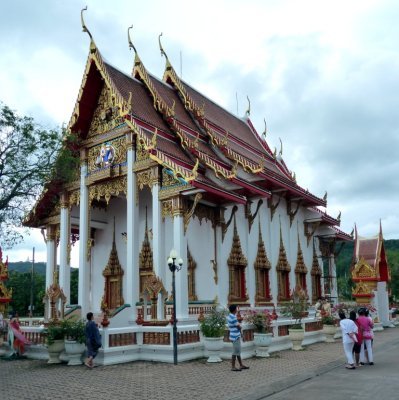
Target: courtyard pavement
point(317, 372)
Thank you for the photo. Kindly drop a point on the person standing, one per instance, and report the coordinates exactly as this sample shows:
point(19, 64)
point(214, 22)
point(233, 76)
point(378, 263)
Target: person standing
point(235, 338)
point(349, 330)
point(359, 337)
point(93, 340)
point(366, 324)
point(18, 338)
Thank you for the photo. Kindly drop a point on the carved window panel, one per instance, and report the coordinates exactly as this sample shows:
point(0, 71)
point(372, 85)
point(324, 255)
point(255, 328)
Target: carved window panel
point(192, 265)
point(262, 267)
point(262, 286)
point(237, 263)
point(283, 279)
point(113, 274)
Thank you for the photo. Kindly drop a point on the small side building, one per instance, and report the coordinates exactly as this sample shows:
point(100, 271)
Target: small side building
point(371, 274)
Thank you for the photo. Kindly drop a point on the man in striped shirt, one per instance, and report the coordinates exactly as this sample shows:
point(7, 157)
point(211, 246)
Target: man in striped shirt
point(235, 337)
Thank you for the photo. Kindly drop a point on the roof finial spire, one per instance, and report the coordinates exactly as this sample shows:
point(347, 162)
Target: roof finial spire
point(84, 27)
point(161, 48)
point(131, 45)
point(281, 148)
point(264, 133)
point(248, 112)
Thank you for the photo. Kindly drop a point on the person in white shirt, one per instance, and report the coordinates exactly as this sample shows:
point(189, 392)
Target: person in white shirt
point(349, 330)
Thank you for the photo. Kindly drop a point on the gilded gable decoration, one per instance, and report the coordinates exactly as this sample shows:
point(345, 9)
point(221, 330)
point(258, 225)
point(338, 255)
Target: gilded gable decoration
point(168, 178)
point(205, 212)
point(363, 270)
point(283, 269)
point(141, 152)
point(316, 277)
point(146, 264)
point(107, 189)
point(236, 256)
point(192, 265)
point(56, 299)
point(152, 287)
point(262, 267)
point(261, 261)
point(107, 154)
point(300, 266)
point(5, 294)
point(113, 274)
point(282, 262)
point(106, 116)
point(237, 263)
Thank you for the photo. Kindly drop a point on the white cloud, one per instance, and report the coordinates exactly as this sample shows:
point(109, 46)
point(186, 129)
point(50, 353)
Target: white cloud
point(324, 74)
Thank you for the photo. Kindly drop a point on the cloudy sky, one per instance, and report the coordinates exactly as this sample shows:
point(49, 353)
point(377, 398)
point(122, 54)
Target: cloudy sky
point(325, 75)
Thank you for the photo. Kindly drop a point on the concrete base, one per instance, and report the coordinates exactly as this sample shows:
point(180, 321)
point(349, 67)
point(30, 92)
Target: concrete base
point(378, 327)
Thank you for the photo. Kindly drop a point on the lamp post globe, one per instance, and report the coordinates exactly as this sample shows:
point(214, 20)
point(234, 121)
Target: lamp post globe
point(173, 256)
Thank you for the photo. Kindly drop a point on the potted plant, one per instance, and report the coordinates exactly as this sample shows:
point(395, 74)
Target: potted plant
point(55, 334)
point(261, 320)
point(296, 309)
point(213, 327)
point(75, 339)
point(329, 327)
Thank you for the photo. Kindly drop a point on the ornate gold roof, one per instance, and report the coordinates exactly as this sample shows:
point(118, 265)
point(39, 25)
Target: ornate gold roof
point(315, 263)
point(282, 262)
point(236, 256)
point(261, 260)
point(363, 270)
point(146, 260)
point(113, 267)
point(300, 262)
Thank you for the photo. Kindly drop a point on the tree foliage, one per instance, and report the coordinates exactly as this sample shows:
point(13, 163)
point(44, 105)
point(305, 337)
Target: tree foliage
point(21, 290)
point(30, 156)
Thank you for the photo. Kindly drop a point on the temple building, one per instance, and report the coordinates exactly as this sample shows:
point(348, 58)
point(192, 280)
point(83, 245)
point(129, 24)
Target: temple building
point(5, 294)
point(164, 167)
point(371, 274)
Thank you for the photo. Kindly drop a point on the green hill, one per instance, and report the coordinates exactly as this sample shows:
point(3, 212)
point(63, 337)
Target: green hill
point(26, 266)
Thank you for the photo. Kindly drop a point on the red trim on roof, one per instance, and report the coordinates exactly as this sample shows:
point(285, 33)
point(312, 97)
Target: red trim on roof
point(252, 188)
point(219, 192)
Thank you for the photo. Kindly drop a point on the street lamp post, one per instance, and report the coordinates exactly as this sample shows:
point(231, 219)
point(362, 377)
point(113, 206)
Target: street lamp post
point(32, 282)
point(173, 268)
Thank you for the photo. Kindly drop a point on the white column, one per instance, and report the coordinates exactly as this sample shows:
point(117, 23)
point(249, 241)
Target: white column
point(50, 246)
point(157, 237)
point(64, 242)
point(334, 283)
point(84, 267)
point(222, 290)
point(180, 245)
point(132, 268)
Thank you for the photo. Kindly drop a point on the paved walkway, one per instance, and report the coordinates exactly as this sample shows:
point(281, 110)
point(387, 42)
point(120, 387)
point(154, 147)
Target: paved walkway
point(266, 378)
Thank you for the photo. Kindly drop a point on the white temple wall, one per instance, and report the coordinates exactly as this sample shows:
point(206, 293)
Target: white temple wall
point(200, 239)
point(167, 247)
point(102, 248)
point(224, 249)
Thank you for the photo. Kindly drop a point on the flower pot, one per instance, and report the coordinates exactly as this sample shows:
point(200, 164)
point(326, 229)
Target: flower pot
point(54, 351)
point(262, 342)
point(74, 351)
point(214, 347)
point(296, 336)
point(329, 331)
